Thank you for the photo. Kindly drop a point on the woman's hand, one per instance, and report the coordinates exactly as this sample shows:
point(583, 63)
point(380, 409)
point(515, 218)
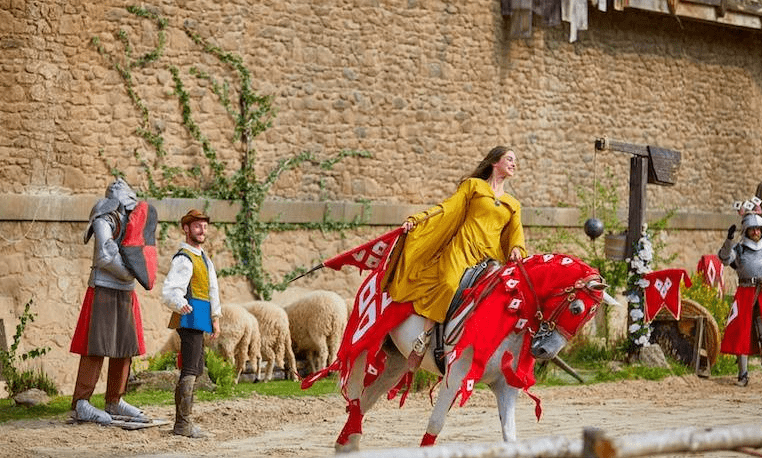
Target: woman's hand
point(515, 255)
point(408, 226)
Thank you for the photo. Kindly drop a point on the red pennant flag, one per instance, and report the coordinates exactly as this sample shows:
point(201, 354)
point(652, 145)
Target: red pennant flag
point(367, 256)
point(373, 315)
point(663, 291)
point(711, 269)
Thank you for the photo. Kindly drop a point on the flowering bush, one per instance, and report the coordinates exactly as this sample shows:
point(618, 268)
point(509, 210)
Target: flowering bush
point(639, 332)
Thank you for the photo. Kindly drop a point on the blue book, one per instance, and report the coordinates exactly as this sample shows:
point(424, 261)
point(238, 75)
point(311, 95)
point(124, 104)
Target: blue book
point(200, 318)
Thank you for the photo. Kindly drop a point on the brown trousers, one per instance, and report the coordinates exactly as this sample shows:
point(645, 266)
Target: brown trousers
point(90, 371)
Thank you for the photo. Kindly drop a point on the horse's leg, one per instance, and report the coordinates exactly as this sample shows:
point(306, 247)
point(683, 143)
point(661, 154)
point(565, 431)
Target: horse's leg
point(446, 396)
point(362, 399)
point(349, 437)
point(394, 368)
point(506, 406)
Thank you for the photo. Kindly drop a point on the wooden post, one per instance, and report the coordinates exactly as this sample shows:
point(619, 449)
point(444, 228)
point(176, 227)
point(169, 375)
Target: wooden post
point(3, 345)
point(637, 203)
point(648, 164)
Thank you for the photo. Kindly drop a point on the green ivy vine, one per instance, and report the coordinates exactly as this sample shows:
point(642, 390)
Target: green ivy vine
point(253, 114)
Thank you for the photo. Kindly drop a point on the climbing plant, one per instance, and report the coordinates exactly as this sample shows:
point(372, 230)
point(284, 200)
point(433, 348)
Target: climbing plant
point(17, 379)
point(252, 114)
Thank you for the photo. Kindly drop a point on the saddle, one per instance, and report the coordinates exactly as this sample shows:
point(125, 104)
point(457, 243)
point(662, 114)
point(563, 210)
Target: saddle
point(470, 277)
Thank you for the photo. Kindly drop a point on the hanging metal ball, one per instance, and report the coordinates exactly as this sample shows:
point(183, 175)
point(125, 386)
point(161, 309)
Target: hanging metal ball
point(593, 228)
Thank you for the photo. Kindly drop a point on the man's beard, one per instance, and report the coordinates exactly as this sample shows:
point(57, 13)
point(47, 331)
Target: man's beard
point(196, 240)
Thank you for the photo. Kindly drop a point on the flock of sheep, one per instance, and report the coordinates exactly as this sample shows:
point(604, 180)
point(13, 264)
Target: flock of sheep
point(268, 335)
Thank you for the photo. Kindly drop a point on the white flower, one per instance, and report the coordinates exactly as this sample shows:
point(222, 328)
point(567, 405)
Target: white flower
point(643, 283)
point(634, 327)
point(647, 253)
point(633, 298)
point(643, 341)
point(636, 314)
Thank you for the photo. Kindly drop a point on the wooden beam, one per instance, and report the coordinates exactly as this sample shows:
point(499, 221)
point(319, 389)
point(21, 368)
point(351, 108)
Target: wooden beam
point(745, 16)
point(604, 144)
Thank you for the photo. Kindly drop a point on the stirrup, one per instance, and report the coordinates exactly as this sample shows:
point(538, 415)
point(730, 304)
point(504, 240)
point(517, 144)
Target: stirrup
point(422, 342)
point(419, 349)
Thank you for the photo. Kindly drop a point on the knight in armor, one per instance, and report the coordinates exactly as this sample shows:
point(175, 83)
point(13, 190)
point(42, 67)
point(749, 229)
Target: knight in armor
point(110, 323)
point(479, 221)
point(744, 328)
point(191, 292)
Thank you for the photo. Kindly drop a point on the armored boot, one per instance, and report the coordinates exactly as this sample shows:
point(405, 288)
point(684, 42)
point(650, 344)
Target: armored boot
point(84, 411)
point(123, 409)
point(184, 408)
point(743, 373)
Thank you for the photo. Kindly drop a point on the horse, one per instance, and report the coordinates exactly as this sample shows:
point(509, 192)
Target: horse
point(514, 315)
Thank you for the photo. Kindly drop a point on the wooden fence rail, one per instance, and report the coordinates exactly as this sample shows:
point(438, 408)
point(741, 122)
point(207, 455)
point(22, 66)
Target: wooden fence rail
point(595, 443)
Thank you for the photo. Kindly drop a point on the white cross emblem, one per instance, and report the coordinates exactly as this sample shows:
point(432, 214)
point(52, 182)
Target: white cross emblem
point(511, 284)
point(663, 287)
point(547, 257)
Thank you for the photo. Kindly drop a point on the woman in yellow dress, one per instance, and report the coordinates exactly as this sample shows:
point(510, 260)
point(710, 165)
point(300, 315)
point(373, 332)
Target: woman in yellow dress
point(480, 220)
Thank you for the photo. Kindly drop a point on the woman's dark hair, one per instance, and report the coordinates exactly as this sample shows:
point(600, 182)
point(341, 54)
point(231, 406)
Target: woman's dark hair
point(484, 169)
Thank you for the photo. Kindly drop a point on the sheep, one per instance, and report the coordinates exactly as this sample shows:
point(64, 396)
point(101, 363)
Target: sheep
point(239, 339)
point(317, 321)
point(275, 337)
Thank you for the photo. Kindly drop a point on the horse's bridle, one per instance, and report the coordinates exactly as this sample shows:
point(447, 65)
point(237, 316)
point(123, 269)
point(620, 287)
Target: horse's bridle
point(548, 325)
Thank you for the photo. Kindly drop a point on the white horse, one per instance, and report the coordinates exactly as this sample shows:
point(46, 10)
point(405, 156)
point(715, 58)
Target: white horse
point(531, 311)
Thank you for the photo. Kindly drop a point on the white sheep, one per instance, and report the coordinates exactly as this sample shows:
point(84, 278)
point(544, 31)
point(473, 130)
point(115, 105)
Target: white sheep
point(317, 321)
point(239, 340)
point(275, 337)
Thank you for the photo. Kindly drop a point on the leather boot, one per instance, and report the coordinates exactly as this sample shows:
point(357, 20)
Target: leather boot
point(184, 408)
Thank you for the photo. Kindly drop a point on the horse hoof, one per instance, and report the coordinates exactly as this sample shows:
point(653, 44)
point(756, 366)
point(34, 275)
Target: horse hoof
point(352, 444)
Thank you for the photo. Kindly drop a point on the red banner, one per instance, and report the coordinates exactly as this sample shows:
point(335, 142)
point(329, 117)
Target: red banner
point(711, 269)
point(663, 291)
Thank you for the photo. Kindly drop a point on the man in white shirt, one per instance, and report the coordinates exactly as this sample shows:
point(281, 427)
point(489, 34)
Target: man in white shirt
point(191, 291)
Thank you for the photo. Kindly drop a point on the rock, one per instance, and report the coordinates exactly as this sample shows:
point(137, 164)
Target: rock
point(32, 397)
point(652, 356)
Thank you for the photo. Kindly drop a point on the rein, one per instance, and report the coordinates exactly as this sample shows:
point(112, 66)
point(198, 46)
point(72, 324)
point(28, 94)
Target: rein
point(548, 325)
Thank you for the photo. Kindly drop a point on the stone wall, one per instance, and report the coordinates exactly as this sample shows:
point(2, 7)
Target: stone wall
point(426, 86)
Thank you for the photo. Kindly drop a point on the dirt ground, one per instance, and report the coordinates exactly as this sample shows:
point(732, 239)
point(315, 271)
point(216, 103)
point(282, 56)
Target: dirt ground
point(307, 427)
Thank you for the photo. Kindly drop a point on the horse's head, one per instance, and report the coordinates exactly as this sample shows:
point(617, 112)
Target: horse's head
point(567, 293)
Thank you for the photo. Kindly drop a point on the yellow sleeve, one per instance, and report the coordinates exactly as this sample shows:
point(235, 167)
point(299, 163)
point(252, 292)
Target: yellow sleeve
point(513, 232)
point(430, 235)
point(428, 238)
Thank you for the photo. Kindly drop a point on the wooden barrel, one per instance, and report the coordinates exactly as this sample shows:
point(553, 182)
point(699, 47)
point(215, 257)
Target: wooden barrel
point(677, 338)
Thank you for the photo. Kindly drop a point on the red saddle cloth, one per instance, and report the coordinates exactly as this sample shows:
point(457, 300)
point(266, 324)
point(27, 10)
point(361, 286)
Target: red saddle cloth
point(499, 312)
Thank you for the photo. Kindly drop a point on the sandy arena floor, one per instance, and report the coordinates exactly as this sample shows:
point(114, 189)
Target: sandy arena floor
point(307, 427)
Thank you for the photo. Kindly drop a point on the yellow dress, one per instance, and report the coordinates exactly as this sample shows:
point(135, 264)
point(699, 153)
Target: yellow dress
point(466, 228)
